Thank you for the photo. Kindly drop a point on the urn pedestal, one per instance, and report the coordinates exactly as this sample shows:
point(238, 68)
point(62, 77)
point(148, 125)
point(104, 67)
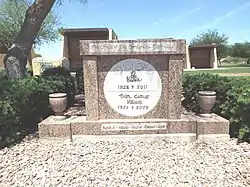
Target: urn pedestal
point(58, 103)
point(206, 101)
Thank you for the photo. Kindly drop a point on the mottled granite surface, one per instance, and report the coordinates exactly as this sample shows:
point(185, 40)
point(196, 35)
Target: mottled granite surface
point(132, 47)
point(91, 87)
point(78, 125)
point(159, 62)
point(215, 125)
point(167, 56)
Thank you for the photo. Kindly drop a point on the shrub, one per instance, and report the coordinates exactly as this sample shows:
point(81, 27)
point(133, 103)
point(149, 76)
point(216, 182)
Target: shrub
point(62, 76)
point(56, 71)
point(236, 107)
point(3, 75)
point(193, 83)
point(10, 131)
point(233, 99)
point(79, 81)
point(29, 98)
point(24, 103)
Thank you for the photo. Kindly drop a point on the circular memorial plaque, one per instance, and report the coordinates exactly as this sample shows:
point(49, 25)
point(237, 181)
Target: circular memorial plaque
point(132, 87)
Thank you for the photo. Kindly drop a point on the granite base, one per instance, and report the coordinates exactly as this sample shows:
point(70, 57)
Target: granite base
point(203, 128)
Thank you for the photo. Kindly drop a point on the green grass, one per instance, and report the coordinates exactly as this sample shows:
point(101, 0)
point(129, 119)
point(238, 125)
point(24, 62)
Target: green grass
point(216, 71)
point(233, 65)
point(228, 65)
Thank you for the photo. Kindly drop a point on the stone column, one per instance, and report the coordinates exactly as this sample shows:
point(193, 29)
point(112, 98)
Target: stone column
point(174, 86)
point(91, 87)
point(215, 65)
point(36, 65)
point(66, 47)
point(188, 64)
point(62, 45)
point(110, 34)
point(213, 58)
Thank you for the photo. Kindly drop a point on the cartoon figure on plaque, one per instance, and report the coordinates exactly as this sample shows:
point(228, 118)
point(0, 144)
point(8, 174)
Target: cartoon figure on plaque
point(135, 90)
point(133, 77)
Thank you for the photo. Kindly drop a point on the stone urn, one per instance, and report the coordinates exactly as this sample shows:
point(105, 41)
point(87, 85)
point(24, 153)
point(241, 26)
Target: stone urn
point(58, 103)
point(206, 101)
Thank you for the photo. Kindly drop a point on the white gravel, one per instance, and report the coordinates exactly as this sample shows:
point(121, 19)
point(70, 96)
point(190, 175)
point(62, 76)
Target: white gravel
point(137, 162)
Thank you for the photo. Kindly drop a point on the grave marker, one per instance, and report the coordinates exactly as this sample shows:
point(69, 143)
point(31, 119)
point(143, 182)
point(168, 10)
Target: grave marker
point(134, 87)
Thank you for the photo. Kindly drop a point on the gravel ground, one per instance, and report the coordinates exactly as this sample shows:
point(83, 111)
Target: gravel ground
point(138, 162)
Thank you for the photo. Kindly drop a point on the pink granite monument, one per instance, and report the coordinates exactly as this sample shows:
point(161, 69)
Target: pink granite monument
point(134, 87)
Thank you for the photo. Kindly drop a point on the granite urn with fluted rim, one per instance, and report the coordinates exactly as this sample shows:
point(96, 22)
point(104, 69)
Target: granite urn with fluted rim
point(206, 101)
point(58, 103)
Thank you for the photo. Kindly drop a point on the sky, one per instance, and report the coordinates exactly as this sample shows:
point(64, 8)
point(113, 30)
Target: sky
point(143, 19)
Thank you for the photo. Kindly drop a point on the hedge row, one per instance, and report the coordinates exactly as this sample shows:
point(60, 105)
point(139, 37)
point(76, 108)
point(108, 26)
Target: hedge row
point(25, 103)
point(233, 99)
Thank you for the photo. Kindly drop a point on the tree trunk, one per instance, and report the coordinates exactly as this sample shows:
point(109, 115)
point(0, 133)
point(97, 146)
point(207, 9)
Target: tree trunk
point(16, 58)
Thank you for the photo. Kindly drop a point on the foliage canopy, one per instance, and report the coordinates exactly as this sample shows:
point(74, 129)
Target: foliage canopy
point(12, 15)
